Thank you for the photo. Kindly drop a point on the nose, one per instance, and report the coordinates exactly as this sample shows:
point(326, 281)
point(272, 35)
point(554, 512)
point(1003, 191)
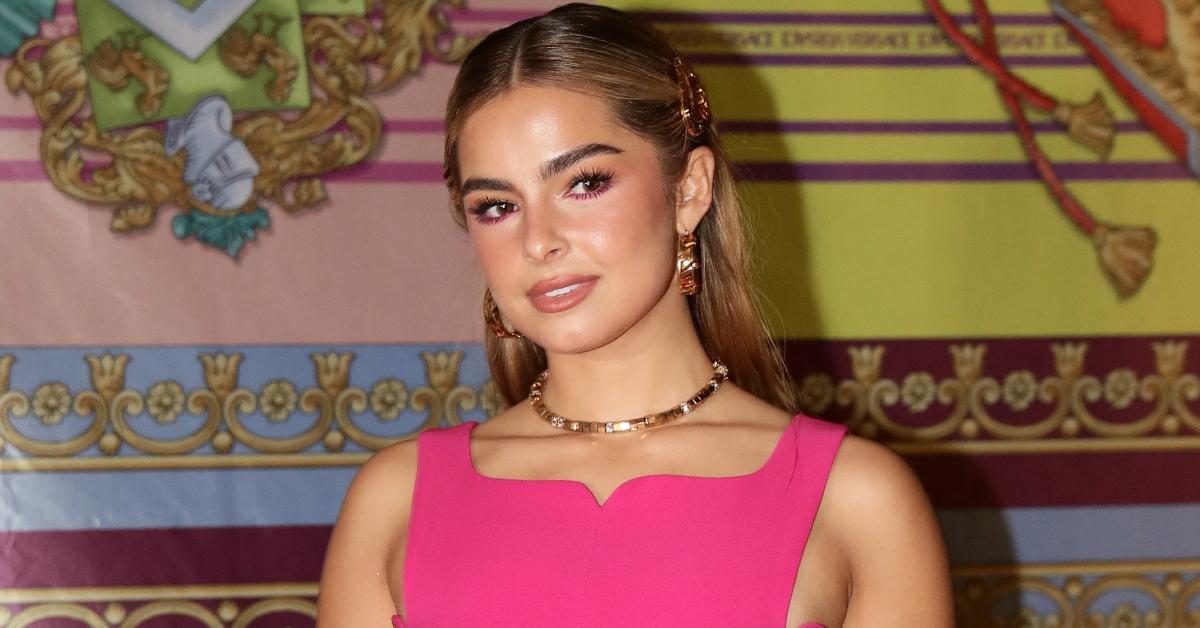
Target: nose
point(543, 238)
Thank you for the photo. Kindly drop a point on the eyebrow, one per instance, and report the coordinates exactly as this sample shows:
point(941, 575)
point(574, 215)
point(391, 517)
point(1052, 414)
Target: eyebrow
point(574, 156)
point(548, 169)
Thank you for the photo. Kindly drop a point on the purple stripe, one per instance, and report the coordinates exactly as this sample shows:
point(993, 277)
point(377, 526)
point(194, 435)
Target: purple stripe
point(902, 127)
point(806, 126)
point(429, 172)
point(738, 17)
point(506, 16)
point(881, 60)
point(31, 123)
point(997, 171)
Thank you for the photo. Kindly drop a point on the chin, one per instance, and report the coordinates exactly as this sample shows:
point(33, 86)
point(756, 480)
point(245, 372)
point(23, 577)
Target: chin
point(574, 337)
point(570, 341)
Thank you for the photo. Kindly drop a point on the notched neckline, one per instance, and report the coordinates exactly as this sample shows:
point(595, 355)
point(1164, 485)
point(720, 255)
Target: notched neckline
point(601, 505)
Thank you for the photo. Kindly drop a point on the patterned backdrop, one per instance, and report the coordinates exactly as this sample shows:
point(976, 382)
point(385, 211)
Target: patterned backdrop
point(228, 274)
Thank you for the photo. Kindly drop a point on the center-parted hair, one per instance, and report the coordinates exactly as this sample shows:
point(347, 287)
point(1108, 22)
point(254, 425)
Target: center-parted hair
point(626, 62)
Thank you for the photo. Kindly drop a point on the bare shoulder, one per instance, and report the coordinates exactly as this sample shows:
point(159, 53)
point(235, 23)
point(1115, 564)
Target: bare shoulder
point(884, 525)
point(382, 489)
point(355, 588)
point(868, 475)
point(872, 492)
point(392, 467)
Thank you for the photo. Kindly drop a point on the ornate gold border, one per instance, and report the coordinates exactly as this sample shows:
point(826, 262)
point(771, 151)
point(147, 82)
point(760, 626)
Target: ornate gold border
point(220, 407)
point(916, 413)
point(1101, 594)
point(1070, 410)
point(153, 593)
point(129, 607)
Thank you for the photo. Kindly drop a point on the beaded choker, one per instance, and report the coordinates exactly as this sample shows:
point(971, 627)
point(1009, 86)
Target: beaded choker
point(720, 374)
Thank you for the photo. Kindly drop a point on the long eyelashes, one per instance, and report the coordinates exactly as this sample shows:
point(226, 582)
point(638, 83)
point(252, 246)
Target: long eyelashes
point(489, 210)
point(586, 185)
point(589, 184)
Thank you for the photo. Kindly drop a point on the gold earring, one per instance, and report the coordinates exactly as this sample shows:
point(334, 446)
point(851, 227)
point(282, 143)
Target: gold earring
point(688, 264)
point(491, 315)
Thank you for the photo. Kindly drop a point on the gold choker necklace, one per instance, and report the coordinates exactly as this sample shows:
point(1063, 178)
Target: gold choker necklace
point(720, 374)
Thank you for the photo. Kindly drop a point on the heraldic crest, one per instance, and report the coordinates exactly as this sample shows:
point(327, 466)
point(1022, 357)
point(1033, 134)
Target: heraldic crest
point(214, 106)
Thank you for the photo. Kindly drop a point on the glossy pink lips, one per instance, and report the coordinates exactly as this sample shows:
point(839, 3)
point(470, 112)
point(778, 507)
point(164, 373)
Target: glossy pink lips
point(561, 293)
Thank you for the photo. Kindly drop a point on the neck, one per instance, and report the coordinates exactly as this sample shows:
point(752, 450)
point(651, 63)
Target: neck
point(653, 366)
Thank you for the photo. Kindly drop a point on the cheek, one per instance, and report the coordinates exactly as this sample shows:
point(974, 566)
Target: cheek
point(499, 254)
point(633, 226)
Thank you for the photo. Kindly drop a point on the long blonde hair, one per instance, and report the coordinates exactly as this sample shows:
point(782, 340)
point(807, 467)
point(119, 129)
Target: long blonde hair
point(629, 64)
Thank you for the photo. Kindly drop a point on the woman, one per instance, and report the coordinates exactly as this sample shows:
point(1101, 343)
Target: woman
point(584, 164)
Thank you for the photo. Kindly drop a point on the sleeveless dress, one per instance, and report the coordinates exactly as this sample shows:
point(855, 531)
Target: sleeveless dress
point(663, 550)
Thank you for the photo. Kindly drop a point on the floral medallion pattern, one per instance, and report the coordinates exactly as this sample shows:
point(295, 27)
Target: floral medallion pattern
point(977, 410)
point(1059, 405)
point(330, 422)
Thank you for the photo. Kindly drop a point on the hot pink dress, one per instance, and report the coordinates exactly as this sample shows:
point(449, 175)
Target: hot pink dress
point(663, 550)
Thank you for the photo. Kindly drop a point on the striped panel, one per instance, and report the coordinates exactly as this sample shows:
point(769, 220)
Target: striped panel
point(927, 291)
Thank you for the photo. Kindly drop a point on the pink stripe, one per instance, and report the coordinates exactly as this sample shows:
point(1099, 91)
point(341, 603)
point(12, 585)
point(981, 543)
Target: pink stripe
point(21, 170)
point(32, 123)
point(435, 125)
point(390, 172)
point(413, 126)
point(371, 301)
point(431, 172)
point(20, 123)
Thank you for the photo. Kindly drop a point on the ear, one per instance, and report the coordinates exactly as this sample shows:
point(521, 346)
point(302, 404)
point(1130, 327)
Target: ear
point(694, 193)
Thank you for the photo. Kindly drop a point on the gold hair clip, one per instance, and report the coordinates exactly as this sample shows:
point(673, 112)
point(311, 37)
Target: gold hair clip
point(693, 102)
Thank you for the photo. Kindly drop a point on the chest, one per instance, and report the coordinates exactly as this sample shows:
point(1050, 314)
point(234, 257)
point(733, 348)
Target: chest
point(698, 550)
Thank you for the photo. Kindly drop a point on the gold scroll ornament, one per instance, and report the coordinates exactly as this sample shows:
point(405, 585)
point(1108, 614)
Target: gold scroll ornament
point(215, 413)
point(350, 58)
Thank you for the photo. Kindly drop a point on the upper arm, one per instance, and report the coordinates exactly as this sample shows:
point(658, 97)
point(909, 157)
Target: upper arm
point(354, 589)
point(887, 530)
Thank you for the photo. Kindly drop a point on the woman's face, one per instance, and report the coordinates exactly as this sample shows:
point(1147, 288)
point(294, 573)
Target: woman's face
point(568, 213)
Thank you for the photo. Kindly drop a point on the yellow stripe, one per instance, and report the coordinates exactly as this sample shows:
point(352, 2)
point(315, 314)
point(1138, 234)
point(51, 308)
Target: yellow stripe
point(873, 93)
point(916, 148)
point(966, 259)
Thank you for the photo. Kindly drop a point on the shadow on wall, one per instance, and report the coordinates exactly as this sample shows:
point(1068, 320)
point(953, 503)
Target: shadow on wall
point(774, 206)
point(772, 202)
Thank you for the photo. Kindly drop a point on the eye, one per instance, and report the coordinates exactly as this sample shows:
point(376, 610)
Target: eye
point(590, 184)
point(490, 210)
